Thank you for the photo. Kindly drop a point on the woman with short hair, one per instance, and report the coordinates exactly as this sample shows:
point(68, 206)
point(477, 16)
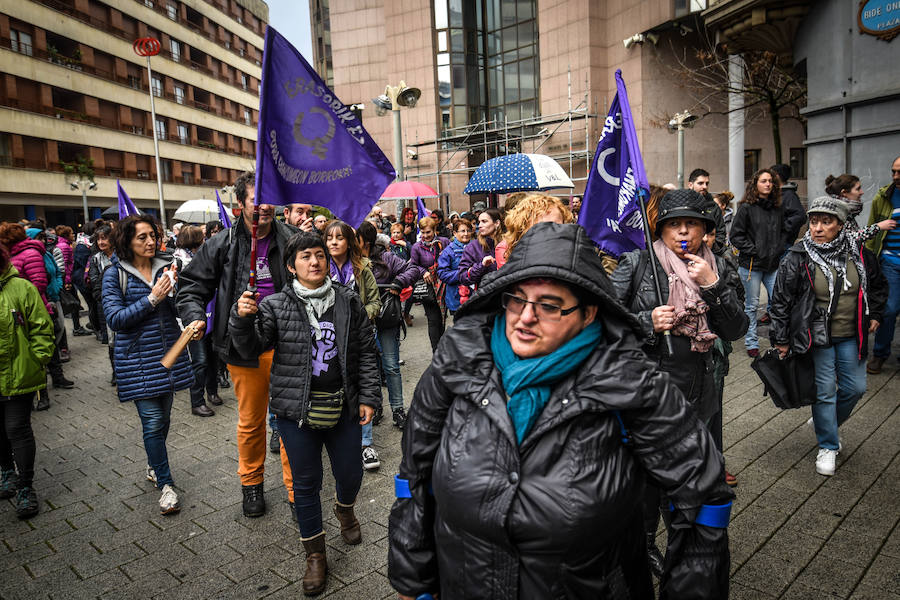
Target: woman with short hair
point(324, 387)
point(830, 294)
point(139, 308)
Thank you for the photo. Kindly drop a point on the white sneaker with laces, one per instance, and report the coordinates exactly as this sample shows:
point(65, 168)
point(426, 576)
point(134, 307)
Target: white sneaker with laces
point(168, 501)
point(826, 461)
point(370, 458)
point(151, 475)
point(809, 423)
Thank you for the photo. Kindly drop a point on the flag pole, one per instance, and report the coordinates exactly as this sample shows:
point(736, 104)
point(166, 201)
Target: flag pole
point(654, 263)
point(251, 282)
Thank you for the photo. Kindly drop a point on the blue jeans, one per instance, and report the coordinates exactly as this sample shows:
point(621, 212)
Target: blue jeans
point(388, 342)
point(840, 383)
point(751, 283)
point(155, 416)
point(303, 447)
point(885, 334)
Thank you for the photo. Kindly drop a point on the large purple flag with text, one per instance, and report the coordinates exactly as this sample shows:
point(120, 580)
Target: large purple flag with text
point(311, 148)
point(610, 211)
point(126, 206)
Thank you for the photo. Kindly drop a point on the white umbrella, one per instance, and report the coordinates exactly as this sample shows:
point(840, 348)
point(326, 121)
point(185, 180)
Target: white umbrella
point(198, 211)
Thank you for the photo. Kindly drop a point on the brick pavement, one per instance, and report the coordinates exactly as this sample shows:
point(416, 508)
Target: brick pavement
point(794, 534)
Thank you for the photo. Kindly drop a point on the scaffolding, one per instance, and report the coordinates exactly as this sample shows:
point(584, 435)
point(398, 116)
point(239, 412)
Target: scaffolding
point(459, 151)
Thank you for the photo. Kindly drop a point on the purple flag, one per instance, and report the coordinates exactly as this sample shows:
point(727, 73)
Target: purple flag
point(223, 214)
point(421, 210)
point(610, 211)
point(126, 206)
point(311, 148)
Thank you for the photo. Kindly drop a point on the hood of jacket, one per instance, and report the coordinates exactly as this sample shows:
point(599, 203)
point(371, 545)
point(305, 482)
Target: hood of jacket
point(18, 247)
point(5, 276)
point(554, 251)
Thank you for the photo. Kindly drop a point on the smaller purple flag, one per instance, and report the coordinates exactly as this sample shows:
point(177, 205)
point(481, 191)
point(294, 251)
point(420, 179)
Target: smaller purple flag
point(126, 206)
point(223, 214)
point(311, 147)
point(421, 210)
point(610, 211)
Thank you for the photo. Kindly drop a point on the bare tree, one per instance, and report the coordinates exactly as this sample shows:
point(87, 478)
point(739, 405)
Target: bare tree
point(768, 84)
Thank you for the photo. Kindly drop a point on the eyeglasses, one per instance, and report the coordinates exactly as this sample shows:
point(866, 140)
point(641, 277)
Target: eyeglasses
point(542, 310)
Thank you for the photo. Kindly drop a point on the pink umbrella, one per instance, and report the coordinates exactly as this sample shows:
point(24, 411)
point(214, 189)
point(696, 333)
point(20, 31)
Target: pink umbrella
point(408, 190)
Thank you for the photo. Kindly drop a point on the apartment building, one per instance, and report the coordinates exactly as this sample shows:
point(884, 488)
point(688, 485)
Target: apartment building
point(74, 92)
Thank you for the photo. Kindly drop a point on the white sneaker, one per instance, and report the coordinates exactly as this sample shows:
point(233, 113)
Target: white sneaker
point(825, 461)
point(810, 424)
point(168, 501)
point(370, 458)
point(151, 475)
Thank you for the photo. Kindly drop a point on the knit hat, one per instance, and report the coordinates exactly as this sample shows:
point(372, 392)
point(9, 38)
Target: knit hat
point(829, 205)
point(683, 203)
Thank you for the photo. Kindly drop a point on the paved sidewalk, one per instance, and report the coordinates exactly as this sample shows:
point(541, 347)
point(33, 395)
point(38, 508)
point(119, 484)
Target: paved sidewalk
point(794, 534)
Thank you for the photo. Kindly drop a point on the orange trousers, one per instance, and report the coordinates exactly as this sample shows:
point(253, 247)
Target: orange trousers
point(251, 386)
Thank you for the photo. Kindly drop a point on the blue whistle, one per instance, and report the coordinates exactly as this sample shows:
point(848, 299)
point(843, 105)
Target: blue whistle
point(683, 246)
point(425, 596)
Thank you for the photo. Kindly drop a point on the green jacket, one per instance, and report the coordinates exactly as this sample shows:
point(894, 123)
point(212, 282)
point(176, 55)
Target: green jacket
point(26, 333)
point(368, 290)
point(881, 210)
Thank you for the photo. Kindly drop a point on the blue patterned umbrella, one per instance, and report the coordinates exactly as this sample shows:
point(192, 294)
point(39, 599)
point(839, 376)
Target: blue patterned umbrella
point(518, 173)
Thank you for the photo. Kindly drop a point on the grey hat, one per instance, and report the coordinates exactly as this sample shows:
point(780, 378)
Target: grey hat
point(829, 205)
point(479, 206)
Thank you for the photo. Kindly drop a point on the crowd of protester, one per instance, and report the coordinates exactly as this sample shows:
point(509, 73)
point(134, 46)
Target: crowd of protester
point(564, 371)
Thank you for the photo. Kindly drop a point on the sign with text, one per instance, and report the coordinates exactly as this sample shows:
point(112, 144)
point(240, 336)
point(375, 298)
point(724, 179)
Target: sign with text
point(880, 18)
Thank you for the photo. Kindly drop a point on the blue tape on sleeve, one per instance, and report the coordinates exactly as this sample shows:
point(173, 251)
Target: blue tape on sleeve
point(712, 515)
point(401, 487)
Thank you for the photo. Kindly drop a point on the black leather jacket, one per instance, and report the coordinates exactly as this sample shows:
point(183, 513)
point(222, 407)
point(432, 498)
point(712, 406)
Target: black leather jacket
point(221, 269)
point(558, 516)
point(758, 232)
point(795, 319)
point(281, 323)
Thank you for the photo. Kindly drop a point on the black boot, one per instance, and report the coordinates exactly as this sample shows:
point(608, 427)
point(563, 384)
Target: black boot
point(43, 400)
point(654, 556)
point(254, 501)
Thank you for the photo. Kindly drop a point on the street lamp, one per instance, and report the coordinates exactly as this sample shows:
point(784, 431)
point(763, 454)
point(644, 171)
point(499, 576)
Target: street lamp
point(678, 124)
point(392, 99)
point(84, 185)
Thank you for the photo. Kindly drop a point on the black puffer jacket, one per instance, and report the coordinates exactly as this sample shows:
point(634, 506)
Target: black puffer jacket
point(690, 371)
point(795, 319)
point(560, 515)
point(794, 215)
point(758, 233)
point(282, 323)
point(221, 268)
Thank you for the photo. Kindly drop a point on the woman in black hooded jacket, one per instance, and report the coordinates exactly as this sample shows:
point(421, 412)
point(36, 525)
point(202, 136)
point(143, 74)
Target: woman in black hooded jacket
point(488, 509)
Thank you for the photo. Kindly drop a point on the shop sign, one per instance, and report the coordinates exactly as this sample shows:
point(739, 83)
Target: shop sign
point(880, 18)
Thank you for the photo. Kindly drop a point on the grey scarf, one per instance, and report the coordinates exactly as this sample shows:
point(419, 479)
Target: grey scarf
point(834, 255)
point(316, 302)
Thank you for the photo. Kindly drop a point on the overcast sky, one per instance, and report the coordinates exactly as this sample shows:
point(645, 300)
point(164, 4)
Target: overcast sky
point(291, 19)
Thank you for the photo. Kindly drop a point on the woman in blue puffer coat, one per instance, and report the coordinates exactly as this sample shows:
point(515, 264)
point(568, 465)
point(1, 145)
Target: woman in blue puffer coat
point(137, 307)
point(448, 263)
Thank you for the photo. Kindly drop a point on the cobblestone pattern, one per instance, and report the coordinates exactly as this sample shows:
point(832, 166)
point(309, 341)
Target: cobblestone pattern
point(794, 534)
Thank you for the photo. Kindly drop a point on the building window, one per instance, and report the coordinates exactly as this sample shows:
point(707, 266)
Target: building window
point(183, 133)
point(175, 48)
point(160, 128)
point(751, 163)
point(157, 86)
point(166, 166)
point(179, 94)
point(247, 117)
point(245, 81)
point(5, 151)
point(148, 3)
point(134, 81)
point(798, 163)
point(172, 11)
point(20, 42)
point(187, 173)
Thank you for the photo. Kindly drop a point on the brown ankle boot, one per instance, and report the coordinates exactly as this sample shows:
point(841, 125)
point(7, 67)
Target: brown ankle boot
point(349, 524)
point(316, 575)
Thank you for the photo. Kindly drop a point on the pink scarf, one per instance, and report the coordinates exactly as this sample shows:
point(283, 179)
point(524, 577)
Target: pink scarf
point(684, 295)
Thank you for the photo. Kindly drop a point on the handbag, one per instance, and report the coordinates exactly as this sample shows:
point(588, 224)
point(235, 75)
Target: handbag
point(71, 305)
point(789, 381)
point(423, 291)
point(324, 409)
point(391, 314)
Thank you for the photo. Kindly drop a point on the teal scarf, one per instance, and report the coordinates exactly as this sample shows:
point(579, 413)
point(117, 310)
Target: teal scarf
point(528, 381)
